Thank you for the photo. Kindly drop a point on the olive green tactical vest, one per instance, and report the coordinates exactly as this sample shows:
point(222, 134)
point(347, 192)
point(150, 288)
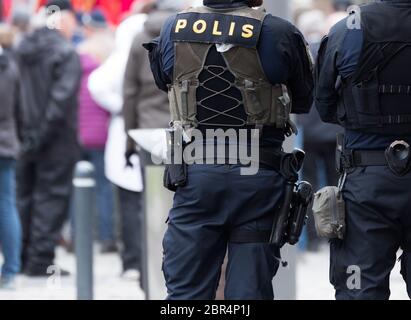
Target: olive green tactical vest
point(265, 104)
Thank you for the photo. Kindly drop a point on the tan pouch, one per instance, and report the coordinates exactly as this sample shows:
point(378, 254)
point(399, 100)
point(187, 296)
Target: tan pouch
point(329, 213)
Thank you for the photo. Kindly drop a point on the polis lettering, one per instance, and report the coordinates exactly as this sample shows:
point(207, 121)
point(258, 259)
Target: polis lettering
point(201, 26)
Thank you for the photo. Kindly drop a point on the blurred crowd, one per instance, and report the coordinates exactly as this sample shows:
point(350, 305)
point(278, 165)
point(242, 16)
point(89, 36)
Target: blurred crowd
point(73, 82)
point(66, 94)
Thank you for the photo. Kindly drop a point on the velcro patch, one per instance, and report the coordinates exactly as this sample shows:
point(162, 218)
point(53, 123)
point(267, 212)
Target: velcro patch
point(217, 28)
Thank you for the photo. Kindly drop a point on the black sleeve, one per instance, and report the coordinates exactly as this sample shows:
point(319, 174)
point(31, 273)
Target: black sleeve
point(63, 91)
point(326, 74)
point(156, 64)
point(301, 81)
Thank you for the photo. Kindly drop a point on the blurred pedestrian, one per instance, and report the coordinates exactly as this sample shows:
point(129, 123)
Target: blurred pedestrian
point(20, 21)
point(50, 78)
point(106, 86)
point(94, 121)
point(145, 107)
point(10, 230)
point(98, 34)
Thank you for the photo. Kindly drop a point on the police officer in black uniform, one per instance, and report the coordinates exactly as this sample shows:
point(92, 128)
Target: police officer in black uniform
point(227, 66)
point(364, 84)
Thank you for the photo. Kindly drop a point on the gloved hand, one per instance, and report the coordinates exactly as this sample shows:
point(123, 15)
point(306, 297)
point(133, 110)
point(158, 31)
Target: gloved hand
point(128, 155)
point(130, 151)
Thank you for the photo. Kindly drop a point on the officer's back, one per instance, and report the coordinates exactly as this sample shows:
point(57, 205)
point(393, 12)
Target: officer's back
point(227, 66)
point(280, 48)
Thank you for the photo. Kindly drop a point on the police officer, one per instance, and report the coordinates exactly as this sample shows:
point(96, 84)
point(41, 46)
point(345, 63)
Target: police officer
point(363, 83)
point(227, 66)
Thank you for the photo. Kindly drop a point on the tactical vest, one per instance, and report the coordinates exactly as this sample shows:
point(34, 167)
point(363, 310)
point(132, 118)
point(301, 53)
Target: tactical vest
point(377, 98)
point(194, 33)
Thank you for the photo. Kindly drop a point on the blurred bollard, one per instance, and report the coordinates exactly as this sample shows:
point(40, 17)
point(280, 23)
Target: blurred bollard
point(84, 185)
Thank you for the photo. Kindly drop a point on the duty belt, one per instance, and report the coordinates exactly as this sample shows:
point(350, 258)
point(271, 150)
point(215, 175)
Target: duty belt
point(268, 157)
point(363, 158)
point(397, 158)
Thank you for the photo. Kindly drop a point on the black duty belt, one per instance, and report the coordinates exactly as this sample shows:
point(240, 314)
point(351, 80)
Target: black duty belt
point(268, 157)
point(363, 158)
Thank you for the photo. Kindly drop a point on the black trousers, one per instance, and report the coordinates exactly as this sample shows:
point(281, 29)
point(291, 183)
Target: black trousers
point(216, 201)
point(43, 194)
point(130, 207)
point(378, 217)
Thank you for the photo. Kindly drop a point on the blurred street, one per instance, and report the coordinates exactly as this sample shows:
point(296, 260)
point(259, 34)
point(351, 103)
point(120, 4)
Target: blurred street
point(312, 279)
point(108, 285)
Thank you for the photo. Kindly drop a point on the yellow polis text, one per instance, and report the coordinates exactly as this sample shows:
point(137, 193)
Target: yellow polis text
point(201, 26)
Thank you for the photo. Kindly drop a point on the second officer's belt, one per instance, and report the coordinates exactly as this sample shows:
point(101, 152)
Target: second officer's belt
point(363, 158)
point(397, 157)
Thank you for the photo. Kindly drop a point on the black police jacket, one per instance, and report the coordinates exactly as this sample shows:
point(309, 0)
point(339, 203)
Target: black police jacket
point(50, 78)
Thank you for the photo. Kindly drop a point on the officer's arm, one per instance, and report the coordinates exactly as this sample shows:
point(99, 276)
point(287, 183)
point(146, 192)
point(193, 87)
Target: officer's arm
point(326, 74)
point(161, 53)
point(301, 81)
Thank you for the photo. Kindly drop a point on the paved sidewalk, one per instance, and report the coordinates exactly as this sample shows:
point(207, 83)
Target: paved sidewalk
point(108, 283)
point(312, 280)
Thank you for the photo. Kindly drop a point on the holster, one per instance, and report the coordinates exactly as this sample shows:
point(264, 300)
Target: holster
point(291, 211)
point(175, 174)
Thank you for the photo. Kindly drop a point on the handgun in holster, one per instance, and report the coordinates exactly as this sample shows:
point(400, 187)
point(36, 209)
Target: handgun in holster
point(291, 218)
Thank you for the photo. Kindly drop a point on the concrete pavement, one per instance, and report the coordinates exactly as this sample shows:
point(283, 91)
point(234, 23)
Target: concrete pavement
point(312, 281)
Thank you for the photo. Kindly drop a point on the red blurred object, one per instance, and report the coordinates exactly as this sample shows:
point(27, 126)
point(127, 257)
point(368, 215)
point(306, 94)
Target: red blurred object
point(6, 8)
point(113, 9)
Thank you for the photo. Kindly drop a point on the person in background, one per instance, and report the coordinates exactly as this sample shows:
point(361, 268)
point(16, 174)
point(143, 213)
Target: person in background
point(97, 33)
point(106, 87)
point(20, 21)
point(144, 106)
point(10, 230)
point(94, 121)
point(50, 78)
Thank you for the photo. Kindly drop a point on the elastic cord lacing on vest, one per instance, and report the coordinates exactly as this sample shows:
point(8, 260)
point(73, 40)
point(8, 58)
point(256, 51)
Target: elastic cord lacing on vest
point(214, 72)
